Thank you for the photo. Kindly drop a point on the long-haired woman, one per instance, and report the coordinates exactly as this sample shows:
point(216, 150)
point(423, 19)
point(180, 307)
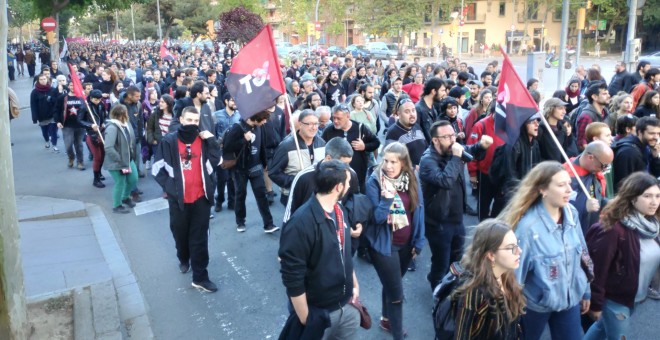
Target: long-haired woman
point(120, 158)
point(548, 229)
point(649, 105)
point(626, 255)
point(489, 302)
point(41, 105)
point(573, 91)
point(479, 111)
point(620, 105)
point(397, 235)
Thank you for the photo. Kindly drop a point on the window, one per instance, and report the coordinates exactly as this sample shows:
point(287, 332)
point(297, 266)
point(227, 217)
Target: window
point(557, 13)
point(502, 9)
point(533, 10)
point(470, 12)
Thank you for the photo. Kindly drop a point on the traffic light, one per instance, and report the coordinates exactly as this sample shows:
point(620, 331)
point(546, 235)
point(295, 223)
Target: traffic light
point(310, 29)
point(589, 4)
point(50, 36)
point(210, 29)
point(581, 18)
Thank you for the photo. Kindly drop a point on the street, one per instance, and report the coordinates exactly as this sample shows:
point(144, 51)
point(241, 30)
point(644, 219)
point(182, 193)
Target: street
point(251, 302)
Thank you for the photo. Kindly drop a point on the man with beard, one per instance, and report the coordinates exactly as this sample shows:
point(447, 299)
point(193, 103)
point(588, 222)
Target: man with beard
point(407, 132)
point(621, 80)
point(199, 93)
point(371, 104)
point(294, 71)
point(487, 78)
point(332, 89)
point(189, 186)
point(632, 154)
point(475, 88)
point(96, 76)
point(225, 118)
point(131, 99)
point(226, 66)
point(434, 90)
point(441, 172)
point(361, 139)
point(316, 263)
point(361, 74)
point(596, 111)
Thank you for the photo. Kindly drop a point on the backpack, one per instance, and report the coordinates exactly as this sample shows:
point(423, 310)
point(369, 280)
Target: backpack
point(444, 320)
point(575, 114)
point(497, 173)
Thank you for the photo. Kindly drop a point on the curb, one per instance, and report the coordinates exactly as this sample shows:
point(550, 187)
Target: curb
point(132, 308)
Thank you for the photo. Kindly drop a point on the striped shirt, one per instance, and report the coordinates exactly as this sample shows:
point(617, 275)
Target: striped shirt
point(164, 123)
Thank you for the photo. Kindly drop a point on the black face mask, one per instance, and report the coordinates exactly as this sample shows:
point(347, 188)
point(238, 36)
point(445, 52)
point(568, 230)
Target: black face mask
point(188, 133)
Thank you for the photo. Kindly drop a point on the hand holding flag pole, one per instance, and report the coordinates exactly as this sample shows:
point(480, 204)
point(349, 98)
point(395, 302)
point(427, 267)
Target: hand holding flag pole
point(515, 106)
point(78, 91)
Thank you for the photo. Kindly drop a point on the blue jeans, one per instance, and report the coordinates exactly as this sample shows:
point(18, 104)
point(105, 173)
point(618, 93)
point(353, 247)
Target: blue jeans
point(613, 324)
point(564, 325)
point(49, 133)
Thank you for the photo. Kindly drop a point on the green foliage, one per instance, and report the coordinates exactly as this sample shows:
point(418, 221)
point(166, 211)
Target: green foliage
point(390, 17)
point(651, 12)
point(22, 12)
point(614, 11)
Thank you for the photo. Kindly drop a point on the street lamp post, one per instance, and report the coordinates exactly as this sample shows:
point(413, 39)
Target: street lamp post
point(160, 29)
point(632, 24)
point(562, 42)
point(316, 22)
point(133, 22)
point(513, 27)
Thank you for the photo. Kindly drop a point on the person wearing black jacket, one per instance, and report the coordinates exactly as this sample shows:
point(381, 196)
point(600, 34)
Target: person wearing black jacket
point(621, 81)
point(93, 119)
point(66, 117)
point(131, 99)
point(183, 167)
point(632, 154)
point(554, 111)
point(434, 90)
point(42, 99)
point(316, 264)
point(246, 142)
point(273, 139)
point(361, 139)
point(441, 172)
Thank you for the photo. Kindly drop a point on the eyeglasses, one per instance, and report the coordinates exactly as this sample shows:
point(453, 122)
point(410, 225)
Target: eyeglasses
point(514, 249)
point(404, 100)
point(603, 166)
point(310, 124)
point(454, 136)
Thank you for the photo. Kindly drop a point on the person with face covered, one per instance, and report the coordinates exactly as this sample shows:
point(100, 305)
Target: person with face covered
point(92, 117)
point(183, 167)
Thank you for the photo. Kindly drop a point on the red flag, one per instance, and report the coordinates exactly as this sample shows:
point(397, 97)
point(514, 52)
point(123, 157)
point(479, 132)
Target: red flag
point(164, 52)
point(255, 79)
point(515, 104)
point(77, 85)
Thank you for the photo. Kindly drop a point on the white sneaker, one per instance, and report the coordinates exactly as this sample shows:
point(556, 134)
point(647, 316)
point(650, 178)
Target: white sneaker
point(55, 149)
point(148, 165)
point(47, 145)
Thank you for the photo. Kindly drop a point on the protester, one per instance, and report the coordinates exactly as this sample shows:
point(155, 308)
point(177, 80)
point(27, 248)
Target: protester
point(554, 111)
point(66, 116)
point(548, 230)
point(489, 302)
point(291, 157)
point(626, 256)
point(595, 111)
point(631, 153)
point(92, 117)
point(41, 105)
point(120, 158)
point(189, 185)
point(244, 141)
point(311, 247)
point(649, 105)
point(441, 173)
point(397, 235)
point(407, 132)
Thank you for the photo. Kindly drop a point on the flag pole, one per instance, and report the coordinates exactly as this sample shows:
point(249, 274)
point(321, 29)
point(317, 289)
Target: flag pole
point(94, 121)
point(293, 130)
point(563, 154)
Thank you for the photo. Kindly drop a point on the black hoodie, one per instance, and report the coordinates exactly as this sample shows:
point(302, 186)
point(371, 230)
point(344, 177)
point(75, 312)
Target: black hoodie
point(631, 155)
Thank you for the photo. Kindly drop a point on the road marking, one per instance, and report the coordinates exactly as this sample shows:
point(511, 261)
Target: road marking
point(150, 206)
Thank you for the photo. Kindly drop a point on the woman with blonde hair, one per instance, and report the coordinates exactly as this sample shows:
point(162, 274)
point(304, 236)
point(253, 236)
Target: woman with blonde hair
point(625, 251)
point(397, 234)
point(548, 229)
point(620, 105)
point(489, 302)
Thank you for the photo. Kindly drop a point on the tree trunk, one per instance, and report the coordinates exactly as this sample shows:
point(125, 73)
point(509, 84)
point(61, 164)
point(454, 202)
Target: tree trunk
point(13, 312)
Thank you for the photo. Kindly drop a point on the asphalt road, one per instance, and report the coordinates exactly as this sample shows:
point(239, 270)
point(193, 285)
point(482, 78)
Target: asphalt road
point(251, 302)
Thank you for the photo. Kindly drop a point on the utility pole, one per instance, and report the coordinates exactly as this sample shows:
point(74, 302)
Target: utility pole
point(133, 22)
point(461, 21)
point(513, 27)
point(562, 42)
point(160, 29)
point(13, 312)
point(632, 24)
point(316, 21)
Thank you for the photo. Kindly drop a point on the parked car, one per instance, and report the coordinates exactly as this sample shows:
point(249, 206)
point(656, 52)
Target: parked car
point(380, 50)
point(400, 53)
point(356, 50)
point(336, 50)
point(653, 58)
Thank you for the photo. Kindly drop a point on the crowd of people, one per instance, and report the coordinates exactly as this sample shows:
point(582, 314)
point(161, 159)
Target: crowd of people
point(371, 157)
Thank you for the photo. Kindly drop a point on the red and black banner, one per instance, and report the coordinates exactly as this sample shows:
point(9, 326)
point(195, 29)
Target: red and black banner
point(515, 104)
point(164, 52)
point(77, 85)
point(255, 80)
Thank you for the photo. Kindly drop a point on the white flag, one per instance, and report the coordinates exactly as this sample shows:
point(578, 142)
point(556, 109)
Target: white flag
point(65, 50)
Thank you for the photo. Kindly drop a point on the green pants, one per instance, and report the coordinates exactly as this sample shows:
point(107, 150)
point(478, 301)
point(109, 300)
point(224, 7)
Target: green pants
point(124, 183)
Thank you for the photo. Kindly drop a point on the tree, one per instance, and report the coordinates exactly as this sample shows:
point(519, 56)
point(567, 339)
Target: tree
point(240, 25)
point(393, 18)
point(22, 13)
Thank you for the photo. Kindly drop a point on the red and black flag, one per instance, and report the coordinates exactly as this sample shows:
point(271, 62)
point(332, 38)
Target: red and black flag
point(515, 104)
point(255, 79)
point(77, 85)
point(164, 52)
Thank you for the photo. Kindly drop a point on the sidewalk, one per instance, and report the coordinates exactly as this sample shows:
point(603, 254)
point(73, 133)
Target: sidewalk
point(66, 246)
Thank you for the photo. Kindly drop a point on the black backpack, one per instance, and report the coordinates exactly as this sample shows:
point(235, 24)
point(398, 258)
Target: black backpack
point(498, 168)
point(444, 319)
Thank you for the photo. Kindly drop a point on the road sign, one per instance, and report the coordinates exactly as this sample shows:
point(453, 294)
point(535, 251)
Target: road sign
point(461, 23)
point(48, 24)
point(317, 26)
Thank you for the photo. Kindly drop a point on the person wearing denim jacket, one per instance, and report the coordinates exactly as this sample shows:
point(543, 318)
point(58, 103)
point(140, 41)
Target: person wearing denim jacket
point(549, 232)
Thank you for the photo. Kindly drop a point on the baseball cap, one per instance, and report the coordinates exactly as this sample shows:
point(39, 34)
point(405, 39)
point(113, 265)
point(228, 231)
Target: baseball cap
point(553, 102)
point(96, 94)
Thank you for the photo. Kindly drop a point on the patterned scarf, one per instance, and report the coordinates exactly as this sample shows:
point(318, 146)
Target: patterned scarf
point(397, 217)
point(647, 228)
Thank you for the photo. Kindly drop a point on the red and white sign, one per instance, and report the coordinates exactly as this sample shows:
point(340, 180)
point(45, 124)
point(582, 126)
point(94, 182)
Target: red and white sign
point(317, 26)
point(48, 24)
